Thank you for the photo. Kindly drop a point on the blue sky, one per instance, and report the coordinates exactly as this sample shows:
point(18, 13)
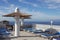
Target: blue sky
point(41, 10)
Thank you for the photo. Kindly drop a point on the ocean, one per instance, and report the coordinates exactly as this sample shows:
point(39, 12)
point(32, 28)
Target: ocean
point(47, 23)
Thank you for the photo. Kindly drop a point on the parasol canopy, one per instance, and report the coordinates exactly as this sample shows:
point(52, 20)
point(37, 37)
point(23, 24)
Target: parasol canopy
point(18, 13)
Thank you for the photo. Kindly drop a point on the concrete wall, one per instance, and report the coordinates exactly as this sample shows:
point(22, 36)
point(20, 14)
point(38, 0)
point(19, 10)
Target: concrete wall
point(44, 27)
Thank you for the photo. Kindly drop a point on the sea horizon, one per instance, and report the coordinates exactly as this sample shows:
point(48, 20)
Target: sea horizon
point(38, 22)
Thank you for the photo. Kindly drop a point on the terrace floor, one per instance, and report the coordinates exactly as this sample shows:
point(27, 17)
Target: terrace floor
point(24, 35)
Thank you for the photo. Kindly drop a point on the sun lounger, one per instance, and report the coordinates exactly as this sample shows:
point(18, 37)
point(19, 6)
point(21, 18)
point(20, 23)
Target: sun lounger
point(26, 29)
point(32, 30)
point(4, 32)
point(55, 38)
point(46, 35)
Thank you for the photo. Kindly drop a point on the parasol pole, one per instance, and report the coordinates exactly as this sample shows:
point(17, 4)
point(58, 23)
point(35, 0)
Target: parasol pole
point(17, 25)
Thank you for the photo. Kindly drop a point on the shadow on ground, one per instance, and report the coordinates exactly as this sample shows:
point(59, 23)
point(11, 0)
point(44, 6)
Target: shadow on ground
point(4, 38)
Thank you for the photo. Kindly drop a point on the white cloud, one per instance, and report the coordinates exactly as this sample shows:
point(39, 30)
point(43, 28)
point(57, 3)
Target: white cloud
point(33, 4)
point(43, 16)
point(6, 1)
point(11, 8)
point(1, 13)
point(55, 1)
point(51, 4)
point(21, 0)
point(37, 15)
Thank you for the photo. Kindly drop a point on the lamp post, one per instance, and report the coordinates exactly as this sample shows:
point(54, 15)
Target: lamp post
point(51, 23)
